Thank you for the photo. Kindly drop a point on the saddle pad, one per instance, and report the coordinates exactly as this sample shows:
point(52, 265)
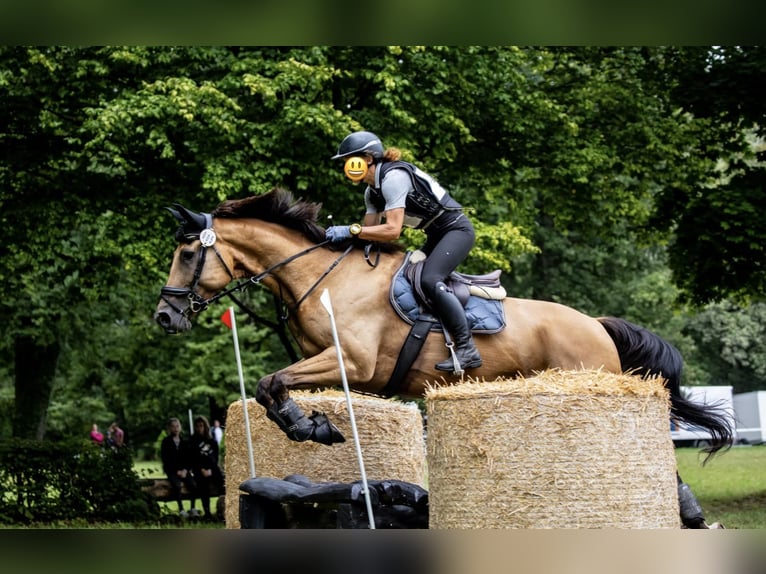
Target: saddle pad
point(483, 315)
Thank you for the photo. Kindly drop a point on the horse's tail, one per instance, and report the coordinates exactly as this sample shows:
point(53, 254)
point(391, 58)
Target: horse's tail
point(645, 353)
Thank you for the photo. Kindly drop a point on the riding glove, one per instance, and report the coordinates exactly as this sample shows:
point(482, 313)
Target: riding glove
point(338, 233)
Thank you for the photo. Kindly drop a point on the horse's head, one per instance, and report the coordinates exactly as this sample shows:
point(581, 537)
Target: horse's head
point(194, 277)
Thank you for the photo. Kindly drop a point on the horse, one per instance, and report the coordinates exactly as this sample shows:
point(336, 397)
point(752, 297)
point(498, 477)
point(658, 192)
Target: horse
point(274, 239)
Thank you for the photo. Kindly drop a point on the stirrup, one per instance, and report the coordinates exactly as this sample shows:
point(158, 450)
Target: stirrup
point(470, 356)
point(455, 367)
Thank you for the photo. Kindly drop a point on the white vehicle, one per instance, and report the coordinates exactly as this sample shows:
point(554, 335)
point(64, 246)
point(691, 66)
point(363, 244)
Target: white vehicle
point(721, 396)
point(751, 417)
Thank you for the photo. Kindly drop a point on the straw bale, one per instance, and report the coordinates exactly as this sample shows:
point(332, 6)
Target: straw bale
point(390, 435)
point(563, 449)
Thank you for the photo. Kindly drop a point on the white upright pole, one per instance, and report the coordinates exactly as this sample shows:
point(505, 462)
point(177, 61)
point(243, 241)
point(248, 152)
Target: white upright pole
point(191, 424)
point(243, 393)
point(325, 299)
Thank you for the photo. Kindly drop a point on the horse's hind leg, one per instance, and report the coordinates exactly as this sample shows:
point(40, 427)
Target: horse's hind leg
point(272, 393)
point(691, 511)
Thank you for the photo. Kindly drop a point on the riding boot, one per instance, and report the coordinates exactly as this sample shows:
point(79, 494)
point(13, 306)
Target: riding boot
point(452, 315)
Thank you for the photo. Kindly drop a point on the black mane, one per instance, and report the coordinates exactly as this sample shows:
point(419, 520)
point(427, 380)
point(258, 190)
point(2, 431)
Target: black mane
point(279, 206)
point(276, 206)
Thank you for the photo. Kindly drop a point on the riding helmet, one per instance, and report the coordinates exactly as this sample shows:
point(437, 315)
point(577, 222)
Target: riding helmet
point(359, 143)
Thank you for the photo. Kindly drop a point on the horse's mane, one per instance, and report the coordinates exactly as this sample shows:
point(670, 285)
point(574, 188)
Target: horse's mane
point(279, 206)
point(276, 206)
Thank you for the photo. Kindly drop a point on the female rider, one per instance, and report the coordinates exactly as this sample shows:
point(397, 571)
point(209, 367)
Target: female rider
point(399, 194)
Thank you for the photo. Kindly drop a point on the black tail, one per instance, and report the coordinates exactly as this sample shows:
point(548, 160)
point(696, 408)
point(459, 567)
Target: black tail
point(644, 353)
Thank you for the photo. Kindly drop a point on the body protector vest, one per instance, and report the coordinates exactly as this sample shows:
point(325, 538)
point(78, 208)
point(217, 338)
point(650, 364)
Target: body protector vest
point(422, 202)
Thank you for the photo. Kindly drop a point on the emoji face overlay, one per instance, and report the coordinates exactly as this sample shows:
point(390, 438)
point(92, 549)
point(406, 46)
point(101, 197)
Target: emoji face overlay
point(355, 168)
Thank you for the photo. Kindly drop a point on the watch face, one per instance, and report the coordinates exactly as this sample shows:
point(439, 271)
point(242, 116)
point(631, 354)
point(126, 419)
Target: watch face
point(355, 229)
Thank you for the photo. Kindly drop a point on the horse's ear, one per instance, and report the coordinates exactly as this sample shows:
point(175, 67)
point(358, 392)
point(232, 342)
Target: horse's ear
point(174, 213)
point(185, 215)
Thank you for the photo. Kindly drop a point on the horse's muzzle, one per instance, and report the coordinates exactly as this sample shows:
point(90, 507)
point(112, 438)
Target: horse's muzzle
point(171, 321)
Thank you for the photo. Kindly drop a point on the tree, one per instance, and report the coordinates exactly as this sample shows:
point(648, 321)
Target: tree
point(730, 344)
point(718, 249)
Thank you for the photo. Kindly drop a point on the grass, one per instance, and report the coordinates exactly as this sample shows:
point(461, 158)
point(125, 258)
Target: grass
point(731, 487)
point(148, 469)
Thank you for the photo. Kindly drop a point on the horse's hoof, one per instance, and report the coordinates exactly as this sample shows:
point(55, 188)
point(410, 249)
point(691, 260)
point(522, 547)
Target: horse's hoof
point(324, 431)
point(696, 523)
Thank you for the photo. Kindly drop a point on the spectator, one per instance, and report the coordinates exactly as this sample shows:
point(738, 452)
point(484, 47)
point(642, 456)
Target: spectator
point(176, 457)
point(217, 432)
point(96, 435)
point(205, 463)
point(117, 435)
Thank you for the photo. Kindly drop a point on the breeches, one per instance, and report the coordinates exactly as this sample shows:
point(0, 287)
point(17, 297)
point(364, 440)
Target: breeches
point(445, 250)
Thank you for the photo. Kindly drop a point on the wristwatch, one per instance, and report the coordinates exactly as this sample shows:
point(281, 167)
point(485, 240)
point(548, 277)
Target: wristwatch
point(354, 229)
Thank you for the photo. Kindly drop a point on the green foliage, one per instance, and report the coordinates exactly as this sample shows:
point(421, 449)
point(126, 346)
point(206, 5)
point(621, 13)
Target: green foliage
point(49, 481)
point(718, 248)
point(730, 346)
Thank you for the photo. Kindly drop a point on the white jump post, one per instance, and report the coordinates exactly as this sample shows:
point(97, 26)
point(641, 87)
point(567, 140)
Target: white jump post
point(326, 303)
point(231, 322)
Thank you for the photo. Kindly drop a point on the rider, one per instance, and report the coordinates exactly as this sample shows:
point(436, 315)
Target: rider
point(398, 194)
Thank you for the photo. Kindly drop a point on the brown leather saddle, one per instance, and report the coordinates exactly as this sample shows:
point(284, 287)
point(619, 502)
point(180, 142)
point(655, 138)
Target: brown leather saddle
point(461, 284)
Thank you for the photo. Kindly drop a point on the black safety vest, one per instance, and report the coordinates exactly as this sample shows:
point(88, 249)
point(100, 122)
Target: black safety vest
point(421, 201)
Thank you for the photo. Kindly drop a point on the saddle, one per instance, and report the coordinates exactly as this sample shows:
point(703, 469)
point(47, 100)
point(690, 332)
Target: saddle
point(480, 295)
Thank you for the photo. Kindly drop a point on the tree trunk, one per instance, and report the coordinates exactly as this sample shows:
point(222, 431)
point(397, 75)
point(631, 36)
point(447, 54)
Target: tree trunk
point(35, 368)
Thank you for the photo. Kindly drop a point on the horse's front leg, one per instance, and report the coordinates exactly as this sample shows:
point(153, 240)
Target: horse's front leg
point(273, 395)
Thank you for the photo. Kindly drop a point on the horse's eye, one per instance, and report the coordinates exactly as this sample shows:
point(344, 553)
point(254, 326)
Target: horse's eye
point(187, 256)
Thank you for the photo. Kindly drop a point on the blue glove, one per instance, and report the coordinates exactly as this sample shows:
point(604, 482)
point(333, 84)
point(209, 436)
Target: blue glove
point(337, 233)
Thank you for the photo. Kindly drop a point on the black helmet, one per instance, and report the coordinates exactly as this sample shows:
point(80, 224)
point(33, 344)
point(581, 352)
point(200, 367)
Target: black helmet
point(360, 143)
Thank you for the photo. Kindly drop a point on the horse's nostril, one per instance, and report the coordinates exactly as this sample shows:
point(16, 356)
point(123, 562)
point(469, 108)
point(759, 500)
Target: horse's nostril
point(163, 319)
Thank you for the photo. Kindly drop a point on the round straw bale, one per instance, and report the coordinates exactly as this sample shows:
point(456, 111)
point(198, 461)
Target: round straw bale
point(390, 435)
point(564, 449)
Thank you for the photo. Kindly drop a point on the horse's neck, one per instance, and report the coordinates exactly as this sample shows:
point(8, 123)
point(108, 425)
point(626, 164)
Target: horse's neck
point(260, 246)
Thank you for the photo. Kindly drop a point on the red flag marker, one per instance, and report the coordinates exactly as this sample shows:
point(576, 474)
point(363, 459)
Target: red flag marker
point(226, 317)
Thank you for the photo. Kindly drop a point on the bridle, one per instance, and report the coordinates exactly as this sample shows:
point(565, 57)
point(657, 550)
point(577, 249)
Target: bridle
point(207, 239)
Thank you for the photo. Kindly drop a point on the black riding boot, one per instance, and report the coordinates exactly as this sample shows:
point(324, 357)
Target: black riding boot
point(452, 315)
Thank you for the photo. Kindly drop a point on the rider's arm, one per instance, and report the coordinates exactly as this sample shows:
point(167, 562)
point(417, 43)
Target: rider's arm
point(386, 228)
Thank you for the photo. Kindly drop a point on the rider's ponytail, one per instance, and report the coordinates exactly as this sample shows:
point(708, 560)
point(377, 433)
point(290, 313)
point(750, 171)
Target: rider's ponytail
point(392, 154)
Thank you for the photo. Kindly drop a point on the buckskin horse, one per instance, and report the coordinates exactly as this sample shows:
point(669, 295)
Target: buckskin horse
point(275, 240)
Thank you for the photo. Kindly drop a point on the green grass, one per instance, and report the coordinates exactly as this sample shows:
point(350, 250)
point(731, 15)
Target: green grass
point(148, 469)
point(731, 487)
